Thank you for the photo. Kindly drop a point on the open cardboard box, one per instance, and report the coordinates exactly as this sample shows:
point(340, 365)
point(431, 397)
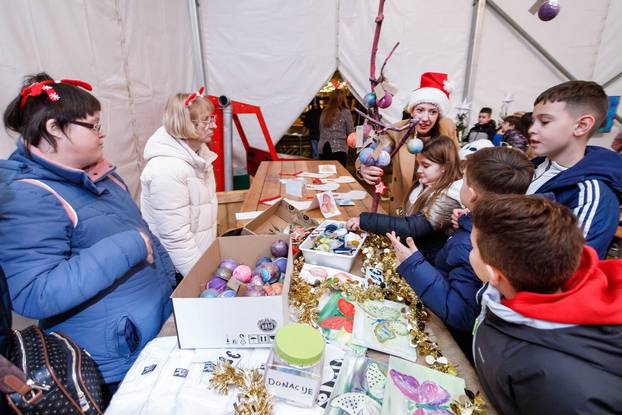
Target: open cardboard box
point(274, 220)
point(229, 322)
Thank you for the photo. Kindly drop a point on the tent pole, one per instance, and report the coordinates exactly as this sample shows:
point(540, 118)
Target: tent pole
point(477, 19)
point(197, 47)
point(612, 80)
point(533, 42)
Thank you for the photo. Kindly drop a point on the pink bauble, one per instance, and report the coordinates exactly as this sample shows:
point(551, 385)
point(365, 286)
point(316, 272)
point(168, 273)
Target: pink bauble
point(549, 10)
point(242, 273)
point(385, 101)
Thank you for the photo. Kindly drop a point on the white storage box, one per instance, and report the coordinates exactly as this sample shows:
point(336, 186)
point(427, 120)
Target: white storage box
point(342, 262)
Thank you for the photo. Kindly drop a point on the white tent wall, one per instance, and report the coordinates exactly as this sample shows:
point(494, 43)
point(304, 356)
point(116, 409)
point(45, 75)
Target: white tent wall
point(134, 53)
point(274, 53)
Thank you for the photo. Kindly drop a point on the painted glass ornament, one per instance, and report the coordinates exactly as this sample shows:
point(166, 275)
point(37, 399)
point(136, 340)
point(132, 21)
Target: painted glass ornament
point(414, 146)
point(370, 100)
point(549, 10)
point(366, 156)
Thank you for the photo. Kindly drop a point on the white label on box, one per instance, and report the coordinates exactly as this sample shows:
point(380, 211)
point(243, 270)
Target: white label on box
point(291, 387)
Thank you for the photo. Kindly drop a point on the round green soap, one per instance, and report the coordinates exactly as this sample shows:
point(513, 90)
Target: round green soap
point(299, 344)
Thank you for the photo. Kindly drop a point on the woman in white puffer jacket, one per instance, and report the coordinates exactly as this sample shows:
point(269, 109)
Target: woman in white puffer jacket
point(178, 198)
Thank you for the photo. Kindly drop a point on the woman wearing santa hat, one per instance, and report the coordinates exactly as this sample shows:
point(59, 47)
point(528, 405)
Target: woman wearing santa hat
point(430, 103)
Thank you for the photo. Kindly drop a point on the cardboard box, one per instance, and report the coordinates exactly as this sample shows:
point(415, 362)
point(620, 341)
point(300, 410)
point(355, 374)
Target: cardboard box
point(274, 220)
point(341, 262)
point(229, 322)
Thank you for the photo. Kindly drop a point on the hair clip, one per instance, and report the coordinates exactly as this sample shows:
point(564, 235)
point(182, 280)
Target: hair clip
point(194, 95)
point(37, 88)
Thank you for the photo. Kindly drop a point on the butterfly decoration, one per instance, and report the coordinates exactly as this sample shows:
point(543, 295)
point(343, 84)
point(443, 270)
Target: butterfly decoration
point(427, 398)
point(387, 323)
point(361, 403)
point(345, 320)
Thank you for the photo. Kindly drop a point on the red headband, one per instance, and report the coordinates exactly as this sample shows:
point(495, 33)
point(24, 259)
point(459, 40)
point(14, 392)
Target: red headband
point(38, 88)
point(194, 95)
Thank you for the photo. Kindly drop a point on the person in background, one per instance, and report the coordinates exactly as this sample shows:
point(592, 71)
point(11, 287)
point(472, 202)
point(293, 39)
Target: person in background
point(616, 145)
point(77, 254)
point(335, 126)
point(178, 198)
point(484, 128)
point(311, 121)
point(509, 123)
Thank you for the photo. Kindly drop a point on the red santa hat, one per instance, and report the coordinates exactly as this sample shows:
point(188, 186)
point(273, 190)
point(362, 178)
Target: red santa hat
point(434, 89)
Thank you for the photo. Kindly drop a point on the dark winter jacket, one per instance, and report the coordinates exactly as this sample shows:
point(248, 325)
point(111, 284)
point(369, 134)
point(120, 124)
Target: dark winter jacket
point(537, 361)
point(592, 189)
point(486, 131)
point(449, 287)
point(74, 259)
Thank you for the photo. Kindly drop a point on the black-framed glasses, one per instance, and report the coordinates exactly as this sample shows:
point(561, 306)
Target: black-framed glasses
point(97, 128)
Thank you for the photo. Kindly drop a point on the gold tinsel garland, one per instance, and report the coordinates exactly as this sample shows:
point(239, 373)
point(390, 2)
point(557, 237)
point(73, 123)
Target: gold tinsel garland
point(253, 398)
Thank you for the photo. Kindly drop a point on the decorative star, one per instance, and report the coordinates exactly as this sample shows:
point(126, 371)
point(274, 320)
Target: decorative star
point(509, 97)
point(380, 188)
point(465, 106)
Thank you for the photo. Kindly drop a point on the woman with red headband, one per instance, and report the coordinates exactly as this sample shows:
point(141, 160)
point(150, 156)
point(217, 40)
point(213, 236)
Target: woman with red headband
point(77, 254)
point(178, 197)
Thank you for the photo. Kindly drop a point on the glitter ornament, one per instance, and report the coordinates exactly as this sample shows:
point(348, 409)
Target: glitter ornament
point(370, 100)
point(209, 293)
point(223, 273)
point(384, 159)
point(228, 263)
point(385, 101)
point(242, 273)
point(366, 156)
point(549, 10)
point(262, 260)
point(217, 284)
point(279, 248)
point(281, 263)
point(269, 272)
point(414, 146)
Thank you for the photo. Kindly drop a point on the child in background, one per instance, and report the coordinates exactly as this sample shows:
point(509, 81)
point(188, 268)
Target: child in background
point(585, 179)
point(448, 285)
point(485, 128)
point(431, 201)
point(549, 336)
point(178, 198)
point(509, 123)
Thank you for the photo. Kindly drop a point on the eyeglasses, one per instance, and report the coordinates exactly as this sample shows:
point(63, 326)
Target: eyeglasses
point(97, 128)
point(210, 122)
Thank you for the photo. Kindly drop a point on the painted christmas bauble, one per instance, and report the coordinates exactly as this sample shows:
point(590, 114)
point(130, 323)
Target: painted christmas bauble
point(269, 272)
point(268, 289)
point(242, 273)
point(281, 263)
point(217, 284)
point(370, 100)
point(255, 292)
point(279, 249)
point(386, 143)
point(385, 101)
point(263, 260)
point(351, 140)
point(223, 272)
point(366, 156)
point(228, 263)
point(277, 287)
point(209, 293)
point(227, 294)
point(384, 159)
point(256, 279)
point(414, 146)
point(549, 10)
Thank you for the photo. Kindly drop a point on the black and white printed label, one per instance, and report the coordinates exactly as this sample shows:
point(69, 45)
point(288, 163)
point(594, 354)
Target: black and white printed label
point(292, 387)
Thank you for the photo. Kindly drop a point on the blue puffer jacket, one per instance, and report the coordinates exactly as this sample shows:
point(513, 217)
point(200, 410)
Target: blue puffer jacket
point(75, 260)
point(449, 287)
point(592, 189)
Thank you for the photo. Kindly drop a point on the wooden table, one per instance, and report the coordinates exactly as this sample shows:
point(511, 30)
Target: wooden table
point(267, 184)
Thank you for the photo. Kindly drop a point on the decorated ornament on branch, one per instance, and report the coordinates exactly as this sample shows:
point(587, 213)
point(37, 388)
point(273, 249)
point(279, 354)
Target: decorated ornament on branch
point(366, 156)
point(414, 146)
point(370, 100)
point(384, 159)
point(385, 101)
point(351, 140)
point(549, 10)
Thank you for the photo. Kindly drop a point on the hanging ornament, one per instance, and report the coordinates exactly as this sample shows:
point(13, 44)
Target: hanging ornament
point(549, 10)
point(385, 101)
point(366, 156)
point(370, 100)
point(414, 146)
point(384, 159)
point(351, 140)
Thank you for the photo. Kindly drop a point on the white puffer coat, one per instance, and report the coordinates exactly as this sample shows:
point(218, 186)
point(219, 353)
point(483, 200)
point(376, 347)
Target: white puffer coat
point(178, 198)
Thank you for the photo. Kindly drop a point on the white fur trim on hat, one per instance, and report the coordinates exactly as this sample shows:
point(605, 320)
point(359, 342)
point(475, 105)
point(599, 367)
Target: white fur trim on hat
point(432, 96)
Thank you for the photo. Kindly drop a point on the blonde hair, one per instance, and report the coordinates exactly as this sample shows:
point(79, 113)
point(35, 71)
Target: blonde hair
point(178, 117)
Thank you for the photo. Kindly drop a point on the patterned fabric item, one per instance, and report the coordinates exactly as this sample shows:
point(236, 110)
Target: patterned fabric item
point(67, 377)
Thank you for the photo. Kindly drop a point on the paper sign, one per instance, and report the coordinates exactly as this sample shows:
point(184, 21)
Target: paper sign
point(315, 175)
point(389, 87)
point(344, 202)
point(327, 169)
point(294, 187)
point(323, 187)
point(328, 207)
point(379, 91)
point(359, 136)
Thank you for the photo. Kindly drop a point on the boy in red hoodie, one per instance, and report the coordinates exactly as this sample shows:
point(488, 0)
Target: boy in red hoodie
point(549, 338)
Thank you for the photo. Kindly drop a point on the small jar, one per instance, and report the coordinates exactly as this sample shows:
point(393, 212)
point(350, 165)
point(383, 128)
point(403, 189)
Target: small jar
point(294, 368)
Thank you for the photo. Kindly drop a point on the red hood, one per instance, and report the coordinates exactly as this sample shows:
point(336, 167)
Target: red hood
point(593, 295)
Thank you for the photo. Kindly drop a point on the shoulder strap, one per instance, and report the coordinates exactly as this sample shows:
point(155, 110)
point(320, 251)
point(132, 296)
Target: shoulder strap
point(71, 213)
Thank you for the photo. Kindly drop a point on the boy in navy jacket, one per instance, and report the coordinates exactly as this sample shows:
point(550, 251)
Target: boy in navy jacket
point(448, 287)
point(586, 179)
point(549, 337)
